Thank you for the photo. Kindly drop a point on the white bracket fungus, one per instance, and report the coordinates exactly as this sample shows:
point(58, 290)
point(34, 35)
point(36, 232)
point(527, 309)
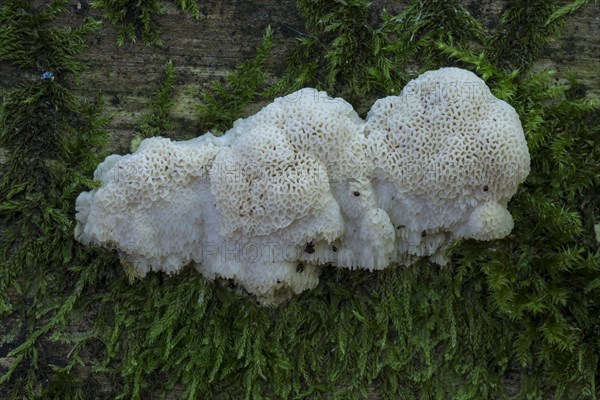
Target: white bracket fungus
point(306, 182)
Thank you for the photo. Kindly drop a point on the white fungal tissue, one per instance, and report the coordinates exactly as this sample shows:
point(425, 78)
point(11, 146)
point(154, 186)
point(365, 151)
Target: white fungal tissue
point(306, 182)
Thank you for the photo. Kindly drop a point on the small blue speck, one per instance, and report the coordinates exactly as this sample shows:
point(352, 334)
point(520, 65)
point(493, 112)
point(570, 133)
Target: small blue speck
point(47, 75)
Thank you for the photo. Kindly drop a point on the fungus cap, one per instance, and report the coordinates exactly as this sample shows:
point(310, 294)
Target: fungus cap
point(442, 148)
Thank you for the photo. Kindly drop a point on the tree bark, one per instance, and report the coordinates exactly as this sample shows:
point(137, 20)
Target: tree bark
point(228, 33)
point(225, 36)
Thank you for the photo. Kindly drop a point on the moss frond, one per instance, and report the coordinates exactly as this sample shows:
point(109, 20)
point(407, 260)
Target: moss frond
point(156, 122)
point(28, 40)
point(524, 30)
point(137, 19)
point(224, 102)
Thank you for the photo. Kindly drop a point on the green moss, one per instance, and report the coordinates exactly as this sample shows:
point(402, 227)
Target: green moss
point(345, 52)
point(342, 29)
point(524, 30)
point(156, 122)
point(224, 102)
point(527, 305)
point(137, 18)
point(28, 40)
point(53, 141)
point(424, 24)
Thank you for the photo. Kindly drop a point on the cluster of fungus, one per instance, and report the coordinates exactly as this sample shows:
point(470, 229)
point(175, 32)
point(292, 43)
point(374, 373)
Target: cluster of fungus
point(306, 183)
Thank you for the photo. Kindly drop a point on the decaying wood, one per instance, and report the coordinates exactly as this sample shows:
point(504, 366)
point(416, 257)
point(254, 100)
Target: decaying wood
point(227, 35)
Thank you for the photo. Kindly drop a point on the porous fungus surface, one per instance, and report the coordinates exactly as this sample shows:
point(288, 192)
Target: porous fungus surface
point(441, 149)
point(306, 182)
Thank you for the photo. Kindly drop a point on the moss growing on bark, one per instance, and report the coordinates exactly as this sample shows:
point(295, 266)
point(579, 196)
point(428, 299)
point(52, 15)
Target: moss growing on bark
point(525, 306)
point(138, 18)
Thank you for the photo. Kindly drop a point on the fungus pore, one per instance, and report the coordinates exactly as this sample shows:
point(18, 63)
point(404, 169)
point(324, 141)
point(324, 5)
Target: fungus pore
point(306, 183)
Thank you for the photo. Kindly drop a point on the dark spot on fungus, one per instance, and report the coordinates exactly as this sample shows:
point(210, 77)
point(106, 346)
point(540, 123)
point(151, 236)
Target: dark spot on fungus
point(356, 193)
point(309, 248)
point(231, 283)
point(333, 248)
point(278, 281)
point(300, 268)
point(423, 234)
point(486, 188)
